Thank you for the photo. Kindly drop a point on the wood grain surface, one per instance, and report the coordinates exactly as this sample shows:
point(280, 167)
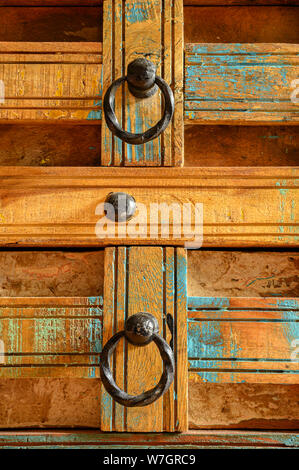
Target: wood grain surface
point(144, 31)
point(192, 439)
point(241, 83)
point(246, 22)
point(234, 145)
point(153, 280)
point(241, 207)
point(51, 81)
point(31, 23)
point(248, 274)
point(50, 337)
point(241, 340)
point(49, 144)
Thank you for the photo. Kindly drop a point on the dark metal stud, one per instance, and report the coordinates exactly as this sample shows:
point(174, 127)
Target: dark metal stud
point(120, 207)
point(141, 76)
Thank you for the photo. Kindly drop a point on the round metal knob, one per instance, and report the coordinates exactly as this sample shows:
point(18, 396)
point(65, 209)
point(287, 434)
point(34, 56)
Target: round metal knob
point(140, 330)
point(142, 82)
point(120, 207)
point(141, 74)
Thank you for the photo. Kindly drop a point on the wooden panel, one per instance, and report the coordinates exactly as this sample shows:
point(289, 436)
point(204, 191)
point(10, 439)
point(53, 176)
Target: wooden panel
point(150, 279)
point(51, 81)
point(199, 439)
point(49, 144)
point(50, 2)
point(235, 2)
point(243, 406)
point(242, 83)
point(53, 402)
point(143, 31)
point(241, 145)
point(50, 24)
point(51, 273)
point(46, 337)
point(224, 274)
point(50, 402)
point(243, 340)
point(246, 24)
point(258, 205)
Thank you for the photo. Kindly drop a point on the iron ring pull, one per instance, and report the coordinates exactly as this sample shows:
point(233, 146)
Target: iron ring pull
point(140, 330)
point(142, 82)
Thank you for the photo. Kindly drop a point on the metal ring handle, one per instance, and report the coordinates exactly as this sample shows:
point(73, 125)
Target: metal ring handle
point(149, 88)
point(140, 329)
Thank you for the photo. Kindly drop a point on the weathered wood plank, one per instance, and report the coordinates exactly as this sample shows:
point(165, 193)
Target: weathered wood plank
point(38, 273)
point(150, 279)
point(243, 83)
point(50, 337)
point(260, 205)
point(192, 439)
point(242, 405)
point(38, 21)
point(51, 81)
point(142, 31)
point(234, 145)
point(49, 144)
point(226, 3)
point(222, 274)
point(44, 3)
point(243, 340)
point(251, 23)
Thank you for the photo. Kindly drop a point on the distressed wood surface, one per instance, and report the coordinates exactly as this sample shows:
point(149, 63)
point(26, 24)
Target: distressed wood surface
point(38, 273)
point(192, 439)
point(243, 406)
point(241, 207)
point(153, 280)
point(50, 24)
point(243, 340)
point(242, 83)
point(236, 2)
point(249, 23)
point(50, 2)
point(51, 81)
point(53, 403)
point(50, 337)
point(224, 274)
point(153, 30)
point(49, 144)
point(234, 145)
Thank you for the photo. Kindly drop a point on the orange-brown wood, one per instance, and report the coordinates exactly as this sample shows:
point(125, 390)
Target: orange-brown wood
point(241, 83)
point(153, 30)
point(51, 81)
point(50, 337)
point(241, 207)
point(45, 22)
point(235, 145)
point(251, 23)
point(153, 280)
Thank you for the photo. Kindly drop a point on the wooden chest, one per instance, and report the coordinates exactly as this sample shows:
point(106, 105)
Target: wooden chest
point(222, 285)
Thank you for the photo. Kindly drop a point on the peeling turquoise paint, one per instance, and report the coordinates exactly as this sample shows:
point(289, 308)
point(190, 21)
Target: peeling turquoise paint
point(219, 73)
point(213, 302)
point(138, 12)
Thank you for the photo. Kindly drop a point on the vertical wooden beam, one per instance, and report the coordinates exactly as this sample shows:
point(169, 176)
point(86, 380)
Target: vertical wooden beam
point(151, 29)
point(150, 279)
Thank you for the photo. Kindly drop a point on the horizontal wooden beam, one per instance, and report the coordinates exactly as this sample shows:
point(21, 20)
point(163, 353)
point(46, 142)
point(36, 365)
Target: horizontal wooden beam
point(50, 337)
point(51, 81)
point(241, 83)
point(192, 439)
point(241, 207)
point(241, 340)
